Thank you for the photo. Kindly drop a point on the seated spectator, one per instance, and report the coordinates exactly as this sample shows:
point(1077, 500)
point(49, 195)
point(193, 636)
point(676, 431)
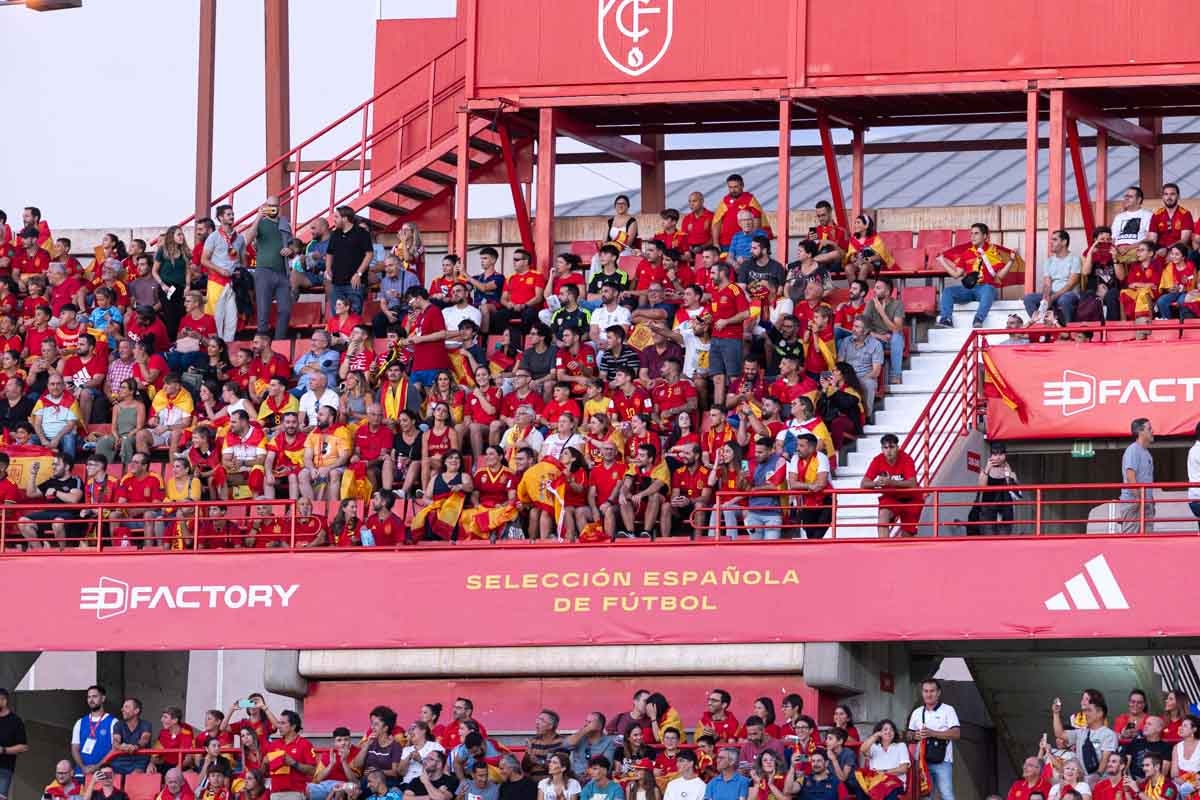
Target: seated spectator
point(1148, 740)
point(1142, 279)
point(175, 787)
point(64, 786)
point(1185, 758)
point(174, 735)
point(887, 763)
point(56, 418)
point(431, 781)
point(807, 269)
point(326, 454)
point(1073, 779)
point(758, 742)
point(1060, 278)
point(739, 244)
point(318, 396)
point(866, 252)
point(982, 266)
point(478, 785)
point(100, 786)
point(892, 469)
point(379, 751)
point(335, 768)
point(1180, 298)
point(320, 359)
point(522, 296)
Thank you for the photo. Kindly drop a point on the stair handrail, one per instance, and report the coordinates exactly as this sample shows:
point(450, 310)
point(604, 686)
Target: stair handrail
point(361, 107)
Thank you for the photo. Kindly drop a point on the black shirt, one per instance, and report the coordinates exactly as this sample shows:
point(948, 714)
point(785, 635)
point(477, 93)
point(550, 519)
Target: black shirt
point(1137, 750)
point(618, 279)
point(521, 789)
point(12, 733)
point(12, 414)
point(750, 272)
point(417, 787)
point(60, 485)
point(348, 250)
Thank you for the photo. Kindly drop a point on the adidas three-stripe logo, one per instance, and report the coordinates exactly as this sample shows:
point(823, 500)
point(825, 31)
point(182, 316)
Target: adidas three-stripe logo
point(1082, 598)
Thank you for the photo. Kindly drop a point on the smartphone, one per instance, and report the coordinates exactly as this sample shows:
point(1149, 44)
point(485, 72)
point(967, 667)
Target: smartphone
point(826, 375)
point(245, 704)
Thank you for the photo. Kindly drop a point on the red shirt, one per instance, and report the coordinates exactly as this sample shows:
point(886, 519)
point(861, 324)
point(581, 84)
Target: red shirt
point(1169, 227)
point(136, 332)
point(625, 406)
point(666, 764)
point(440, 288)
point(34, 338)
point(554, 409)
point(510, 402)
point(846, 313)
point(634, 442)
point(9, 493)
point(572, 278)
point(337, 326)
point(275, 367)
point(369, 445)
point(449, 738)
point(204, 326)
point(904, 468)
point(672, 241)
point(283, 777)
point(475, 409)
point(522, 286)
point(726, 729)
point(742, 385)
point(336, 771)
point(834, 233)
point(67, 339)
point(1103, 790)
point(227, 536)
point(9, 252)
point(146, 489)
point(39, 262)
point(493, 487)
point(733, 206)
point(727, 303)
point(1145, 273)
point(64, 293)
point(154, 362)
point(428, 355)
point(713, 440)
point(606, 479)
point(669, 396)
point(647, 274)
point(691, 485)
point(786, 393)
point(696, 226)
point(387, 531)
point(85, 370)
point(184, 740)
point(576, 365)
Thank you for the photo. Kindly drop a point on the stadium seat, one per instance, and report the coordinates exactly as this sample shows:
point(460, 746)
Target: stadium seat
point(283, 348)
point(920, 300)
point(941, 238)
point(897, 240)
point(307, 316)
point(299, 348)
point(140, 786)
point(932, 251)
point(585, 250)
point(909, 258)
point(838, 296)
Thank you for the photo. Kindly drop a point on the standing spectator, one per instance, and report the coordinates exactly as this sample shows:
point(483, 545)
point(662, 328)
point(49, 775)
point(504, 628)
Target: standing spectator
point(427, 336)
point(696, 225)
point(56, 418)
point(982, 267)
point(731, 309)
point(132, 734)
point(12, 743)
point(224, 253)
point(170, 272)
point(995, 509)
point(347, 259)
point(1060, 277)
point(1129, 724)
point(689, 785)
point(291, 759)
point(515, 785)
point(589, 742)
point(893, 469)
point(92, 736)
point(1092, 743)
point(271, 237)
point(724, 221)
point(936, 725)
point(1137, 466)
point(1132, 224)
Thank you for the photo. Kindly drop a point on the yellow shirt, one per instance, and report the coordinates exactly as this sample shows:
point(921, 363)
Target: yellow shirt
point(328, 448)
point(190, 492)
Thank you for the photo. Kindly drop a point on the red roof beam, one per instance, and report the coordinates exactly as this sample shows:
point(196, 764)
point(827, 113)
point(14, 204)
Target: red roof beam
point(616, 146)
point(1117, 127)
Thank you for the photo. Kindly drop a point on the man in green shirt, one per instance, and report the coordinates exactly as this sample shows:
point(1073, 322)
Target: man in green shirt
point(271, 237)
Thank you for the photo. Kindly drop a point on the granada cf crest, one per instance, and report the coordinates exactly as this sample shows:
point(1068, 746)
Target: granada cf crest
point(634, 34)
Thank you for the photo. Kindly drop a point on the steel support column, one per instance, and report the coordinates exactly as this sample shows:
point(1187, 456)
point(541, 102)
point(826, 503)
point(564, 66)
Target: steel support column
point(276, 72)
point(654, 176)
point(543, 235)
point(783, 202)
point(1150, 162)
point(204, 105)
point(518, 197)
point(858, 152)
point(462, 184)
point(1031, 188)
point(1101, 209)
point(1055, 202)
point(1081, 181)
point(831, 168)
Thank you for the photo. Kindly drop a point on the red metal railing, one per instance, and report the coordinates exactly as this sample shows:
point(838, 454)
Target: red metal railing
point(378, 136)
point(959, 403)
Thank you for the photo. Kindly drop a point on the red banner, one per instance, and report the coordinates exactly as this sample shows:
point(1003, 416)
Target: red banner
point(1084, 587)
point(1080, 390)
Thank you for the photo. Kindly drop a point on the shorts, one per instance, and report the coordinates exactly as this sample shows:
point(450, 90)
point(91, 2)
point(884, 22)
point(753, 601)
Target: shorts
point(725, 357)
point(50, 515)
point(160, 439)
point(907, 514)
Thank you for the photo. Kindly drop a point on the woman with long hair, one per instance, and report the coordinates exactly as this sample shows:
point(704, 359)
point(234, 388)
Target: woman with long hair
point(1175, 708)
point(634, 749)
point(841, 404)
point(128, 417)
point(445, 495)
point(356, 396)
point(1185, 757)
point(439, 439)
point(251, 747)
point(578, 511)
point(768, 778)
point(494, 500)
point(662, 715)
point(379, 748)
point(409, 248)
point(445, 390)
point(683, 435)
point(559, 783)
point(764, 709)
point(844, 719)
point(169, 270)
point(346, 522)
point(643, 786)
point(430, 714)
point(407, 446)
point(887, 760)
point(867, 253)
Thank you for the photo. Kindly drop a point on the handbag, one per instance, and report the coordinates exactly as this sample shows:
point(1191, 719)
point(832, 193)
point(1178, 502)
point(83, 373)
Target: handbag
point(1091, 759)
point(935, 749)
point(970, 280)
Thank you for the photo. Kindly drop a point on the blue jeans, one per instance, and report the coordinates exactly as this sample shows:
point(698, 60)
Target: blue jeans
point(895, 352)
point(6, 776)
point(1164, 306)
point(983, 293)
point(355, 296)
point(942, 777)
point(322, 790)
point(1066, 304)
point(763, 523)
point(179, 362)
point(68, 445)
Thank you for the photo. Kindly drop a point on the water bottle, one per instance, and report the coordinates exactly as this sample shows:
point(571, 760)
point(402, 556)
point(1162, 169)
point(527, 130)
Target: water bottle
point(366, 537)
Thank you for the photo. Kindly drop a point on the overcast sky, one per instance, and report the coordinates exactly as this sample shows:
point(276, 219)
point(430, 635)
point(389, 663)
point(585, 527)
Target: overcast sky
point(101, 128)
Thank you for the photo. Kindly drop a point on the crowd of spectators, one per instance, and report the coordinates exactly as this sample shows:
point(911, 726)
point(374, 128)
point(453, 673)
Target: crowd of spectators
point(596, 401)
point(647, 752)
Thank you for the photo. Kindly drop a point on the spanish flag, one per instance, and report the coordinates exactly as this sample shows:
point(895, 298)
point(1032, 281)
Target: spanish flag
point(354, 482)
point(1002, 388)
point(23, 457)
point(877, 785)
point(924, 783)
point(442, 514)
point(460, 369)
point(544, 485)
point(479, 523)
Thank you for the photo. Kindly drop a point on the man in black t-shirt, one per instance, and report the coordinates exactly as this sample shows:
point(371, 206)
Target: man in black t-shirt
point(1149, 740)
point(347, 260)
point(12, 743)
point(61, 487)
point(515, 784)
point(433, 782)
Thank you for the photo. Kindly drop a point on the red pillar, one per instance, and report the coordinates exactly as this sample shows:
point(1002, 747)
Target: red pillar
point(204, 105)
point(462, 185)
point(831, 168)
point(783, 203)
point(1101, 210)
point(279, 129)
point(1055, 204)
point(1081, 184)
point(1150, 162)
point(543, 235)
point(520, 205)
point(1031, 188)
point(858, 148)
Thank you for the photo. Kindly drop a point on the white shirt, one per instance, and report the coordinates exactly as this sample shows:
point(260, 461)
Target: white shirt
point(603, 319)
point(884, 759)
point(1131, 227)
point(453, 315)
point(415, 768)
point(941, 718)
point(550, 792)
point(685, 789)
point(793, 468)
point(309, 405)
point(1193, 465)
point(1082, 787)
point(1060, 270)
point(695, 352)
point(1185, 764)
point(556, 444)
